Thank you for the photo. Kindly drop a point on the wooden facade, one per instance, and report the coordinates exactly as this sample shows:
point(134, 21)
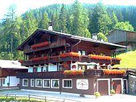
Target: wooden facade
point(123, 37)
point(49, 54)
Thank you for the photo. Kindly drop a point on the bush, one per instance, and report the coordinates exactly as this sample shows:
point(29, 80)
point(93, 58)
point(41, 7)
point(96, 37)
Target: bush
point(97, 94)
point(112, 92)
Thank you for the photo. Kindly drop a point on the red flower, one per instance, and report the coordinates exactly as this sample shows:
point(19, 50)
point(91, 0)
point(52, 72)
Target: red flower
point(43, 44)
point(73, 72)
point(70, 54)
point(114, 72)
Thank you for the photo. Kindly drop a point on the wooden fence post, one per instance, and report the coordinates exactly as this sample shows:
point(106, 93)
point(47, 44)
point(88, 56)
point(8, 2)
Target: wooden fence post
point(45, 98)
point(15, 96)
point(29, 97)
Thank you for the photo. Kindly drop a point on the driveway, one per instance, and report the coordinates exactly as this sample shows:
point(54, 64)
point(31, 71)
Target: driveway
point(74, 97)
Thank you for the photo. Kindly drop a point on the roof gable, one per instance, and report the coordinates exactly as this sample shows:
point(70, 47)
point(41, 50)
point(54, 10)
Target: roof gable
point(42, 31)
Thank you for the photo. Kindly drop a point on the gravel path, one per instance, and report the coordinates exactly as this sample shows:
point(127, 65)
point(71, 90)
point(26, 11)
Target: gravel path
point(75, 97)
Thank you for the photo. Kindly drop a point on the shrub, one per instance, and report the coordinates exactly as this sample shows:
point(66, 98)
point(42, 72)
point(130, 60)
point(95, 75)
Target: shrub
point(97, 94)
point(112, 92)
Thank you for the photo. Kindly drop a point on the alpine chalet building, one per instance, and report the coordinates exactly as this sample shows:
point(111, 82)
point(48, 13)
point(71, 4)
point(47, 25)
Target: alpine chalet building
point(67, 63)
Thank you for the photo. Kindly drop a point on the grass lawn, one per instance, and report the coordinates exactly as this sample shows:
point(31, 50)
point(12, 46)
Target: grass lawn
point(19, 99)
point(128, 60)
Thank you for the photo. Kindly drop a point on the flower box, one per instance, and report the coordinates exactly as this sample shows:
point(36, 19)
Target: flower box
point(43, 44)
point(114, 72)
point(99, 57)
point(70, 54)
point(39, 59)
point(73, 72)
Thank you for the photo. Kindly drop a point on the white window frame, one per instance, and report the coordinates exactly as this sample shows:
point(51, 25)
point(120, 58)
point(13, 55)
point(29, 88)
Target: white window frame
point(23, 82)
point(67, 80)
point(36, 83)
point(31, 80)
point(108, 84)
point(122, 84)
point(58, 83)
point(49, 83)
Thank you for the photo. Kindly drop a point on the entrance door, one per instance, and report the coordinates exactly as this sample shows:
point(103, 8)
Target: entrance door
point(103, 86)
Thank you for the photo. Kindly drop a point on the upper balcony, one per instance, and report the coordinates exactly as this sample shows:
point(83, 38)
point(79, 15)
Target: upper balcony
point(71, 56)
point(44, 46)
point(74, 74)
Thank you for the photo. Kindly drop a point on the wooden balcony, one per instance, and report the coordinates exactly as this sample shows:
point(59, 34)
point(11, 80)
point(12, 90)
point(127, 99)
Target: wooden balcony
point(59, 74)
point(57, 59)
point(51, 46)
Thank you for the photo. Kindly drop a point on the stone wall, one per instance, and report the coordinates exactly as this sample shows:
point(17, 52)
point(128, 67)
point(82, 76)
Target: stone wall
point(132, 84)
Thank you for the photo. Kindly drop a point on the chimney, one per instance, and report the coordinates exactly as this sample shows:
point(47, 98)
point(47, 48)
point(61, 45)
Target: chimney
point(94, 36)
point(50, 26)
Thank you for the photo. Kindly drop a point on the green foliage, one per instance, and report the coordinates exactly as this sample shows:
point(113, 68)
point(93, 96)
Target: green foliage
point(127, 60)
point(19, 99)
point(97, 94)
point(78, 19)
point(44, 22)
point(112, 92)
point(100, 20)
point(63, 20)
point(124, 26)
point(101, 36)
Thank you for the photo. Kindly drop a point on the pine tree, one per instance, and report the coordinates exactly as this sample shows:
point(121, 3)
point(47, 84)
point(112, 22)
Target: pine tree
point(63, 19)
point(80, 20)
point(100, 20)
point(44, 22)
point(30, 23)
point(124, 26)
point(11, 36)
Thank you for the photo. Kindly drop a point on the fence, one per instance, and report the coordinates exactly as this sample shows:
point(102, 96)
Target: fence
point(38, 98)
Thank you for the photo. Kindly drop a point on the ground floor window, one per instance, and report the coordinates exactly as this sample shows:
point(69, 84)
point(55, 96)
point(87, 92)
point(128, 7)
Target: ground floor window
point(55, 83)
point(67, 83)
point(38, 82)
point(25, 82)
point(32, 82)
point(46, 83)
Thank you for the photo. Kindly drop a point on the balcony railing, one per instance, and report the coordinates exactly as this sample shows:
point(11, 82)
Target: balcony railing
point(48, 46)
point(60, 74)
point(72, 56)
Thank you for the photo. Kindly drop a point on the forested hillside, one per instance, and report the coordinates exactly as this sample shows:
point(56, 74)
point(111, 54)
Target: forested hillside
point(78, 19)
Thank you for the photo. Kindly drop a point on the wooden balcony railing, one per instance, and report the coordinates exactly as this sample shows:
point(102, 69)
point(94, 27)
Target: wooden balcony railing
point(71, 57)
point(52, 45)
point(60, 74)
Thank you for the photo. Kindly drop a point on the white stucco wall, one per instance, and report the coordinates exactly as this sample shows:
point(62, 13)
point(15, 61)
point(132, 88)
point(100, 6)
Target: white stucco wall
point(13, 80)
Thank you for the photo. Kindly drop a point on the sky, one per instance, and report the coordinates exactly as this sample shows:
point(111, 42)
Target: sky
point(24, 5)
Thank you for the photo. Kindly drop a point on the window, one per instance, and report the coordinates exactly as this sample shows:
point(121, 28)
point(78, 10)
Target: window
point(30, 69)
point(55, 83)
point(67, 83)
point(38, 83)
point(25, 82)
point(82, 67)
point(82, 52)
point(45, 68)
point(46, 83)
point(32, 82)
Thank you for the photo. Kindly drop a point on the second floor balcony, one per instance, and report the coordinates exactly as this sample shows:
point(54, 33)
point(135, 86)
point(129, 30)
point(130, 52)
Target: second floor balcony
point(71, 56)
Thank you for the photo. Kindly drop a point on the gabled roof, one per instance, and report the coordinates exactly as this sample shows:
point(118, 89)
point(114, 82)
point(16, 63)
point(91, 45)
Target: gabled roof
point(120, 30)
point(10, 64)
point(43, 31)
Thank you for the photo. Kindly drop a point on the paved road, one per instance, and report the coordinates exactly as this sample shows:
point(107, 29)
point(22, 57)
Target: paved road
point(76, 97)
